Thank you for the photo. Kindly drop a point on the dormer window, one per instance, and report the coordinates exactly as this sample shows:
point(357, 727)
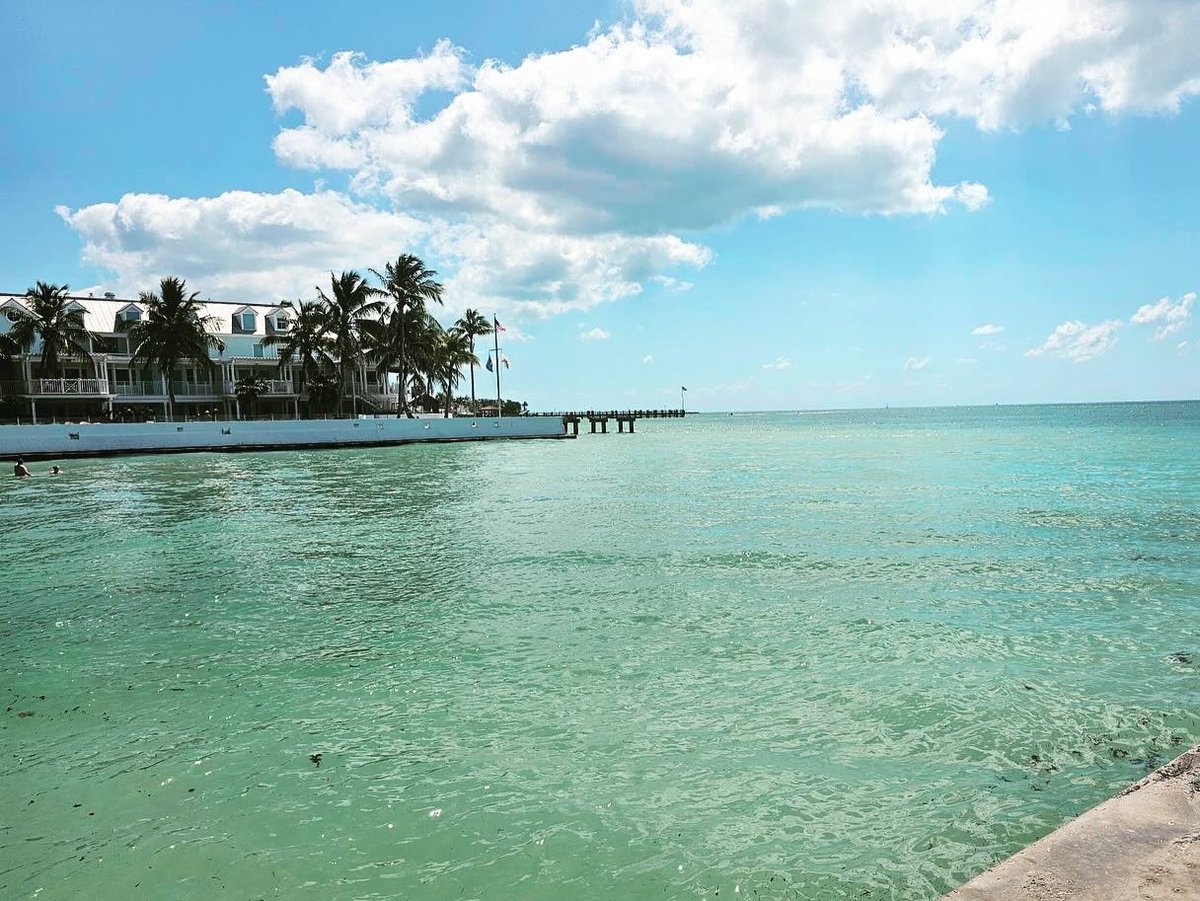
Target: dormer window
point(282, 323)
point(127, 314)
point(243, 323)
point(12, 315)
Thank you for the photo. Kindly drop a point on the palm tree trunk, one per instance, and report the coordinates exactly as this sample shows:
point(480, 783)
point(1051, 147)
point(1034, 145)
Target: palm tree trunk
point(474, 408)
point(403, 400)
point(341, 408)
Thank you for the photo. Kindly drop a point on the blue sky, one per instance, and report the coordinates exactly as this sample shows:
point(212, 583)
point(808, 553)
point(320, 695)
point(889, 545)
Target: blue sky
point(842, 205)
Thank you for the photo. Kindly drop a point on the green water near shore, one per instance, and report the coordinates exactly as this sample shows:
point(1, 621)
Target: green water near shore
point(761, 656)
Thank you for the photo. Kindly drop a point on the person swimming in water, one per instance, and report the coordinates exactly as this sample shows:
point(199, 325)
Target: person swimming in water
point(56, 470)
point(20, 470)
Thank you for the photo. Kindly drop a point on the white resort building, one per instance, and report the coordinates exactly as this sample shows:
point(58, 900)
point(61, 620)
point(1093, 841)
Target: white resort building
point(105, 385)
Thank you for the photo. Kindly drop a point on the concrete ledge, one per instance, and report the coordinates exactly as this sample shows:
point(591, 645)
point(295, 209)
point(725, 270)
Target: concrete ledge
point(49, 442)
point(1142, 845)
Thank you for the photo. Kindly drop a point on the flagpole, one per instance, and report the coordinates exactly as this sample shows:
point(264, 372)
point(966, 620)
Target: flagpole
point(496, 363)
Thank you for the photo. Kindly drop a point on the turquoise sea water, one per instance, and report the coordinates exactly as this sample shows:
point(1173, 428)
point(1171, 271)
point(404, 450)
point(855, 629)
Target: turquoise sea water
point(822, 656)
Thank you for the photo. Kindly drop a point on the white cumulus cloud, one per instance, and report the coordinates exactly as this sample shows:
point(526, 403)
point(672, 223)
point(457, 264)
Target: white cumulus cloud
point(541, 274)
point(916, 364)
point(595, 334)
point(565, 180)
point(988, 329)
point(1078, 342)
point(779, 363)
point(649, 358)
point(239, 244)
point(353, 93)
point(1166, 316)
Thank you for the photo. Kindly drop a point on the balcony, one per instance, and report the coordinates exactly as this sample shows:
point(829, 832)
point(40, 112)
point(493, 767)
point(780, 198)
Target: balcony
point(274, 386)
point(196, 389)
point(68, 387)
point(155, 389)
point(388, 403)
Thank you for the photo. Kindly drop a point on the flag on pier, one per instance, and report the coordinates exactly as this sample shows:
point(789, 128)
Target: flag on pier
point(488, 364)
point(499, 327)
point(504, 360)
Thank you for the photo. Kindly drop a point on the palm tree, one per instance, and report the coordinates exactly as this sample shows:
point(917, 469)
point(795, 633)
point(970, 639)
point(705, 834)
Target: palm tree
point(422, 352)
point(307, 343)
point(345, 314)
point(61, 329)
point(410, 285)
point(249, 388)
point(453, 353)
point(380, 343)
point(174, 330)
point(473, 324)
point(322, 390)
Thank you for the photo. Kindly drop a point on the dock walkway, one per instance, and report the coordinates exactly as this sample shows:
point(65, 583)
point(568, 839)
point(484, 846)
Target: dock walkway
point(572, 419)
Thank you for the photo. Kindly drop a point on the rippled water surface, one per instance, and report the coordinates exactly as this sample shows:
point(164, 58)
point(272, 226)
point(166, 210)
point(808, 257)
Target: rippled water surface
point(760, 656)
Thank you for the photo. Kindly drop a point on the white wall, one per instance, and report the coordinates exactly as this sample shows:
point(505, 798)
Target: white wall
point(107, 438)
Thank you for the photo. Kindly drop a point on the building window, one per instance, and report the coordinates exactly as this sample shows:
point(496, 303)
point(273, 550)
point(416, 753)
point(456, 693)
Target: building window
point(282, 323)
point(132, 315)
point(12, 315)
point(258, 351)
point(243, 323)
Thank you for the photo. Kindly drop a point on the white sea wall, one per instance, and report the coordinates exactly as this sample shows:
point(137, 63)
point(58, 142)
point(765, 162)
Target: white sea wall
point(99, 439)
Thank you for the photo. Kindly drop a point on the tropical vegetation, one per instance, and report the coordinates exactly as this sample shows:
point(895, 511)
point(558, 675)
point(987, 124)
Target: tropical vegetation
point(248, 389)
point(350, 330)
point(54, 322)
point(410, 284)
point(473, 325)
point(453, 353)
point(350, 307)
point(174, 330)
point(306, 345)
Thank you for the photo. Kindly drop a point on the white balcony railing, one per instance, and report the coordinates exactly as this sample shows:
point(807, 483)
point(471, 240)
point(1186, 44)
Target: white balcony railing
point(273, 386)
point(387, 402)
point(137, 389)
point(155, 389)
point(70, 386)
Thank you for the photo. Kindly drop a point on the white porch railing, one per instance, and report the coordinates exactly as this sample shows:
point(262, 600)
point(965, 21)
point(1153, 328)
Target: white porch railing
point(383, 401)
point(71, 386)
point(274, 386)
point(155, 389)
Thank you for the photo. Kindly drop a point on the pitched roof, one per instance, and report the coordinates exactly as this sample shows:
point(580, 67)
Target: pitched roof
point(100, 313)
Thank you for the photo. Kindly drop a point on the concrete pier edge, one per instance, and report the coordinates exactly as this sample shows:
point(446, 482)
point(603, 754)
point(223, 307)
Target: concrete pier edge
point(75, 440)
point(1143, 844)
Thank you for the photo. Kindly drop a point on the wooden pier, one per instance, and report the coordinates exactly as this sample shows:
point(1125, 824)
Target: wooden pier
point(622, 418)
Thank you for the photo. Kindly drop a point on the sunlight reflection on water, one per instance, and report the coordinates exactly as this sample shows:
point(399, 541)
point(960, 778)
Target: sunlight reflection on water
point(778, 656)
